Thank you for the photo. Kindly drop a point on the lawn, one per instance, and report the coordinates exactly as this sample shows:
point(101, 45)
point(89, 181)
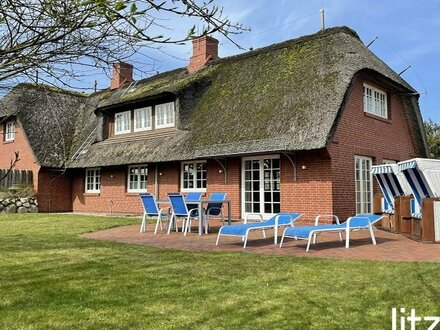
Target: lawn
point(51, 278)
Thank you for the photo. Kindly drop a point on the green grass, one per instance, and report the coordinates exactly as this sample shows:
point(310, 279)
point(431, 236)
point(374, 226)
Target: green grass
point(51, 278)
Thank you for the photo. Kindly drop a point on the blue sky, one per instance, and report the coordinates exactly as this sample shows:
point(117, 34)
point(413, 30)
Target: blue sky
point(408, 34)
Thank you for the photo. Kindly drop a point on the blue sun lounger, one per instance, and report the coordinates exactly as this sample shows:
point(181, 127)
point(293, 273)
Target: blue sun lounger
point(358, 222)
point(242, 230)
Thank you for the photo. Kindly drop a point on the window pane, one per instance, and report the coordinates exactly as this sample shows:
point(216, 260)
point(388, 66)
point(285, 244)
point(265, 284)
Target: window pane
point(165, 115)
point(93, 180)
point(10, 131)
point(123, 122)
point(375, 101)
point(137, 178)
point(363, 184)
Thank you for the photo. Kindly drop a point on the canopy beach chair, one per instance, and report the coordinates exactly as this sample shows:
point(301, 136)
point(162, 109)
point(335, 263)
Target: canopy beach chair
point(392, 183)
point(242, 230)
point(423, 176)
point(358, 222)
point(152, 210)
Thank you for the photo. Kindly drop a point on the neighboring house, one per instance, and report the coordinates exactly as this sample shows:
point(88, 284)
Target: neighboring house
point(294, 126)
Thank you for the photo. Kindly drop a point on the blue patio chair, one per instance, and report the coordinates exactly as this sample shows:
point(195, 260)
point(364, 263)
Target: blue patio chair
point(180, 210)
point(243, 230)
point(214, 209)
point(193, 196)
point(152, 210)
point(358, 222)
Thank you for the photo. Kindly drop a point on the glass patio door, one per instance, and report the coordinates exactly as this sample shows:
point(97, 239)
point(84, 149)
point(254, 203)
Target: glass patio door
point(363, 184)
point(261, 185)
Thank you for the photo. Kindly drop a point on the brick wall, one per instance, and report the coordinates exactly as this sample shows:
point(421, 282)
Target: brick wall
point(311, 193)
point(361, 134)
point(54, 191)
point(313, 184)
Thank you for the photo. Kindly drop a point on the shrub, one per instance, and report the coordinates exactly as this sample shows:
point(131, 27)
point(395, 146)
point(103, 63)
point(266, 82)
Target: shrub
point(19, 191)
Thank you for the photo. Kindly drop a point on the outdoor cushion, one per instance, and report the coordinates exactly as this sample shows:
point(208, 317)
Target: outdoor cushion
point(241, 229)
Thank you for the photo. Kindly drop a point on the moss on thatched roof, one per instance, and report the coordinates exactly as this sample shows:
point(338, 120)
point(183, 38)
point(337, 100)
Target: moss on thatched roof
point(284, 97)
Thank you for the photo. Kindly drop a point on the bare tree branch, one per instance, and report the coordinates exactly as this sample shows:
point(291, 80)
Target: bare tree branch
point(52, 35)
point(11, 166)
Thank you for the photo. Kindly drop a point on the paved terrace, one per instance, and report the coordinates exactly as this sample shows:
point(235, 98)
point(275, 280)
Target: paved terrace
point(390, 247)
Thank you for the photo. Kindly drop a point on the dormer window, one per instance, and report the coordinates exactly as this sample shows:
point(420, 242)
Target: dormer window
point(165, 115)
point(142, 119)
point(9, 131)
point(123, 122)
point(375, 101)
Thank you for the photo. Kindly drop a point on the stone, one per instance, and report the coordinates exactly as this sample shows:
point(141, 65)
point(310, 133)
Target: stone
point(1, 206)
point(22, 209)
point(6, 202)
point(24, 200)
point(11, 209)
point(19, 203)
point(33, 209)
point(26, 204)
point(35, 202)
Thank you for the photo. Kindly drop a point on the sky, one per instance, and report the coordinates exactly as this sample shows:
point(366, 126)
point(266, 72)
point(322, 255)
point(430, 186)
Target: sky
point(408, 35)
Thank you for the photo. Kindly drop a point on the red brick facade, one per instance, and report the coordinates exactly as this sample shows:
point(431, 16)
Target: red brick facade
point(317, 182)
point(361, 134)
point(20, 144)
point(311, 184)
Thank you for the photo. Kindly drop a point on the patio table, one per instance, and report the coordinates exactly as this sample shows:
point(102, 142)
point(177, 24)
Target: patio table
point(200, 209)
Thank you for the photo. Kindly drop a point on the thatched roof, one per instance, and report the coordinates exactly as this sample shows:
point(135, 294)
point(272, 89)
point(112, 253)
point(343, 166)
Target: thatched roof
point(285, 97)
point(48, 117)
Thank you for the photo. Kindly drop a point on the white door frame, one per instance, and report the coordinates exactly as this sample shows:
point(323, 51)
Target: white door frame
point(261, 159)
point(362, 201)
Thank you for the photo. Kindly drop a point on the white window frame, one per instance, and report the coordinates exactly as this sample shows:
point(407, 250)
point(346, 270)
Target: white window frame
point(262, 191)
point(374, 104)
point(137, 189)
point(194, 163)
point(124, 129)
point(166, 118)
point(362, 201)
point(95, 174)
point(10, 131)
point(146, 118)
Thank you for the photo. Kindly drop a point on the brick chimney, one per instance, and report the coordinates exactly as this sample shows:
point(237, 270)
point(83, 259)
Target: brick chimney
point(122, 73)
point(205, 49)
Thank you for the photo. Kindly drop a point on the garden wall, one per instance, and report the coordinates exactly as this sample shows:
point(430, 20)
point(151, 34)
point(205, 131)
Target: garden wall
point(19, 205)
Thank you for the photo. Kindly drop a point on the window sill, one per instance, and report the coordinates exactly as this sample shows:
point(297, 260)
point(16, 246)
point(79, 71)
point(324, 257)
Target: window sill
point(92, 194)
point(385, 120)
point(7, 142)
point(185, 191)
point(134, 193)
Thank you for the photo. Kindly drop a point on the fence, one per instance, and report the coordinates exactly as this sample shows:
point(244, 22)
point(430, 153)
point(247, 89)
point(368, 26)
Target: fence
point(15, 177)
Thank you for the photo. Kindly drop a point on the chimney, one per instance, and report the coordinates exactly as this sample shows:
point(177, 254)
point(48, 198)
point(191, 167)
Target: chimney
point(122, 73)
point(205, 49)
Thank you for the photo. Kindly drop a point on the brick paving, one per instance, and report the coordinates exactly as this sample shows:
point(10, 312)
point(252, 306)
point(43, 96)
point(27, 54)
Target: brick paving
point(390, 247)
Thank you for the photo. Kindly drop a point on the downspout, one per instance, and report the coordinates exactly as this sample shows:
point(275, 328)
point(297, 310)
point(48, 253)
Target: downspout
point(156, 186)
